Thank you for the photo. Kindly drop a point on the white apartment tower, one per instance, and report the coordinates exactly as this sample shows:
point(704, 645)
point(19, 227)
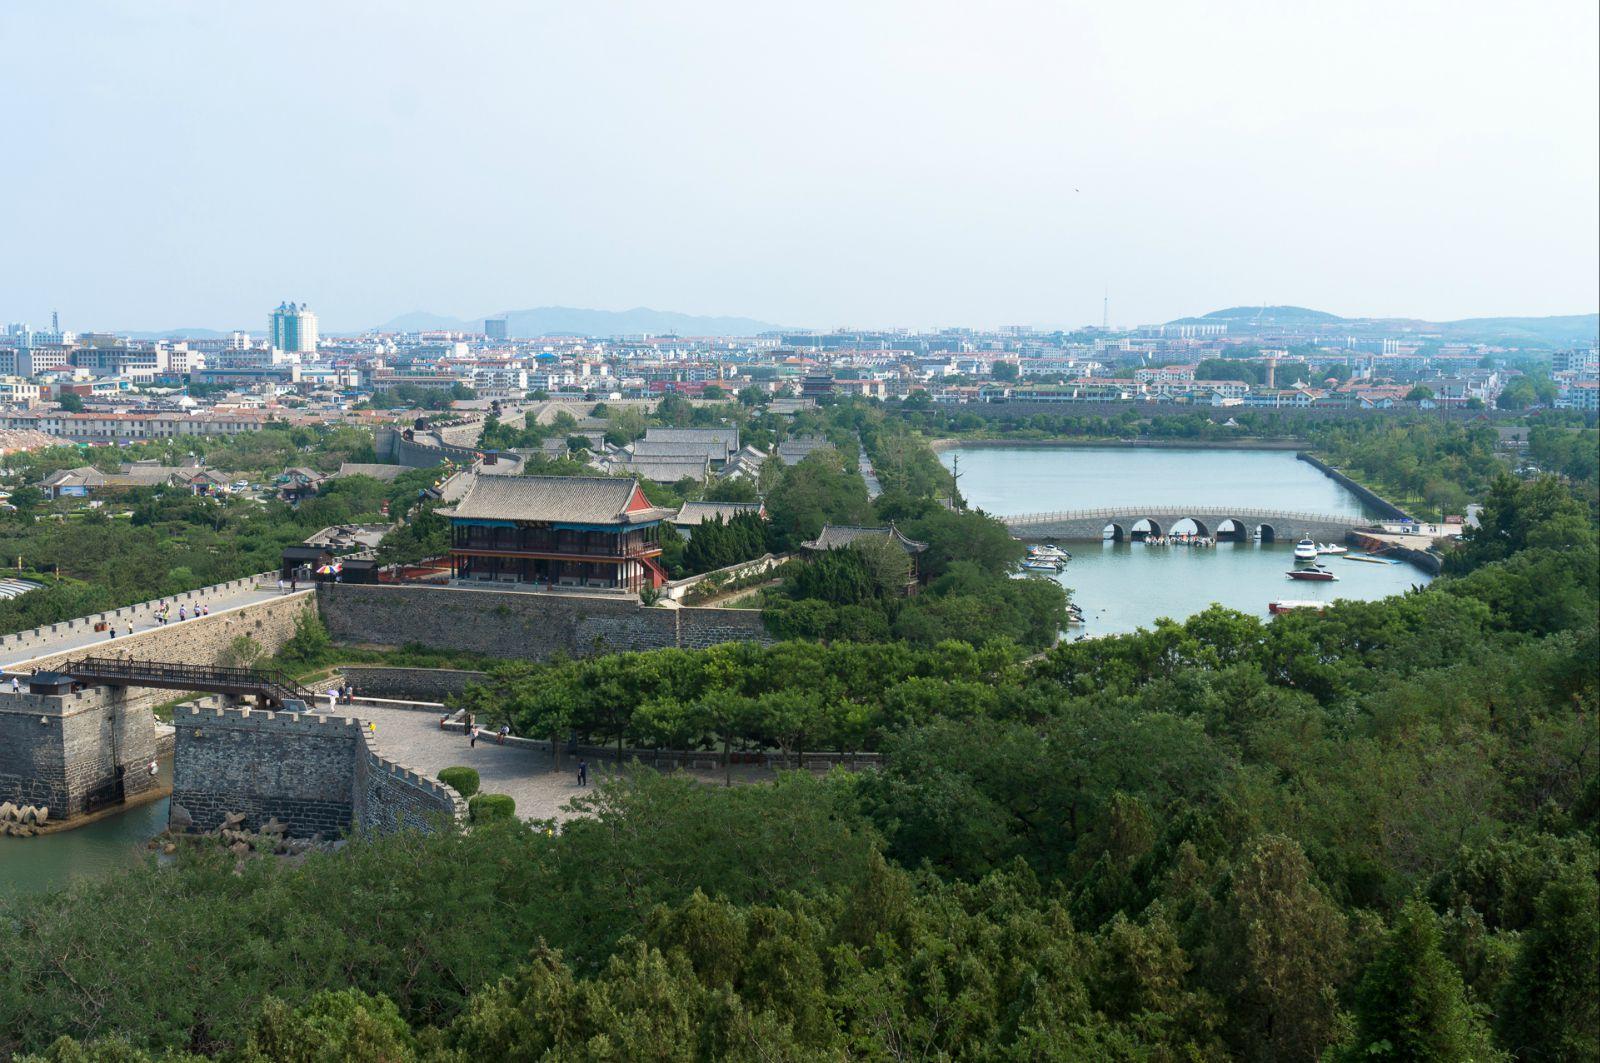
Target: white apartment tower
point(293, 328)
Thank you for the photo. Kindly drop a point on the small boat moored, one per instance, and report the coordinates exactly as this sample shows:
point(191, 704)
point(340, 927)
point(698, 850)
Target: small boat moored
point(1289, 605)
point(1333, 548)
point(1305, 550)
point(1042, 564)
point(1312, 572)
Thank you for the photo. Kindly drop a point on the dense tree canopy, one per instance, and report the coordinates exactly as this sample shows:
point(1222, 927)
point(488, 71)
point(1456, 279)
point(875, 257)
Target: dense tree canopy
point(1370, 832)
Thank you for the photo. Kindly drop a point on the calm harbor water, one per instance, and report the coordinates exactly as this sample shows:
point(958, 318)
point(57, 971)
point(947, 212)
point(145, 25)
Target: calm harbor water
point(1123, 586)
point(28, 865)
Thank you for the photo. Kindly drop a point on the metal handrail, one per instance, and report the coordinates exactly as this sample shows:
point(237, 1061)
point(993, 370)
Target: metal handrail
point(1141, 512)
point(268, 681)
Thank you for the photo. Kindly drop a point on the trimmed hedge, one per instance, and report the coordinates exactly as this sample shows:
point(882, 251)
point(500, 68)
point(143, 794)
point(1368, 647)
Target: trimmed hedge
point(485, 807)
point(463, 780)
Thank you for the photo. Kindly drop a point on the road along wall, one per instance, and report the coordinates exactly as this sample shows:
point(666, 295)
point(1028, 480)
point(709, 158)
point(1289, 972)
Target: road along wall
point(202, 640)
point(19, 645)
point(523, 624)
point(316, 774)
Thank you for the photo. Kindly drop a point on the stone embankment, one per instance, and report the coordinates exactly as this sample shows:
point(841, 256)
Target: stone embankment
point(1382, 506)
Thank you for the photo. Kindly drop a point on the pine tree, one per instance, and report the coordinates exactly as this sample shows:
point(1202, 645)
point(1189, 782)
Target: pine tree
point(1550, 1008)
point(1411, 1003)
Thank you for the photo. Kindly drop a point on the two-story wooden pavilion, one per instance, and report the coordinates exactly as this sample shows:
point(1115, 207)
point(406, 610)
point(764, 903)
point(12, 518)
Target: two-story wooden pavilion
point(557, 531)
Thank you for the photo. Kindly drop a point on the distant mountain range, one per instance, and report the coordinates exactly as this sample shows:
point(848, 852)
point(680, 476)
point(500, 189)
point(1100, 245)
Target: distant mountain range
point(573, 321)
point(1560, 331)
point(179, 334)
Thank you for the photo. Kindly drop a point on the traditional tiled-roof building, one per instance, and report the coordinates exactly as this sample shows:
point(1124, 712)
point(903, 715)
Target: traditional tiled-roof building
point(558, 531)
point(839, 536)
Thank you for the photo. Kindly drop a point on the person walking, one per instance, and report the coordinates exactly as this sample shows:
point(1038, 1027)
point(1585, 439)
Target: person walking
point(15, 686)
point(472, 737)
point(583, 773)
point(183, 613)
point(280, 585)
point(505, 729)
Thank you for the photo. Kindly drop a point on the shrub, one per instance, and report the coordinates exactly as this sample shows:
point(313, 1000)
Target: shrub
point(463, 780)
point(486, 807)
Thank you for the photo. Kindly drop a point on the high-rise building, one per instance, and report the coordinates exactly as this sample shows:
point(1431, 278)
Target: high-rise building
point(293, 328)
point(495, 328)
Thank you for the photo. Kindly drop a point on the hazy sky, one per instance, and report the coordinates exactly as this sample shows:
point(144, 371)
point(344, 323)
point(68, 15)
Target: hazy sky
point(923, 163)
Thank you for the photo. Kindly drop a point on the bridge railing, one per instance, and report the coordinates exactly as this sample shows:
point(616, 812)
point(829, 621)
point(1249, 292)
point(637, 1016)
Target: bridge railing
point(1211, 512)
point(203, 676)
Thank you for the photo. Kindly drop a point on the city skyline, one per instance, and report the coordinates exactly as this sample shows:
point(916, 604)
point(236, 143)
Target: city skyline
point(906, 166)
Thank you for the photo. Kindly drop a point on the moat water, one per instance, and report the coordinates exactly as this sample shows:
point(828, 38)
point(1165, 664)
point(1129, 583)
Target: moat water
point(52, 861)
point(1124, 586)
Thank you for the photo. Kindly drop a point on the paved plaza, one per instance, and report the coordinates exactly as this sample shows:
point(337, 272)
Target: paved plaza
point(412, 737)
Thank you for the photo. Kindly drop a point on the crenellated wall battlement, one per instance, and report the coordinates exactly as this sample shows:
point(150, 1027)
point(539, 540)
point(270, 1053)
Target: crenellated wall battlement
point(319, 774)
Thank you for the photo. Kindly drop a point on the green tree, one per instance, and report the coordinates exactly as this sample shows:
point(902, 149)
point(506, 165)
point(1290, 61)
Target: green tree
point(1279, 954)
point(334, 1026)
point(623, 425)
point(1411, 1003)
point(1550, 1008)
point(818, 490)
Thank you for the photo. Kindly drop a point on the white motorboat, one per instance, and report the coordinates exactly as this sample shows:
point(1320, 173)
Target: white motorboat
point(1305, 550)
point(1333, 549)
point(1049, 553)
point(1042, 564)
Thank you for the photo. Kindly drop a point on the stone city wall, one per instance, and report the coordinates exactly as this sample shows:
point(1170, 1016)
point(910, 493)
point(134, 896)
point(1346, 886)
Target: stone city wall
point(522, 624)
point(409, 684)
point(390, 798)
point(56, 751)
point(317, 774)
point(15, 646)
point(390, 445)
point(299, 768)
point(201, 640)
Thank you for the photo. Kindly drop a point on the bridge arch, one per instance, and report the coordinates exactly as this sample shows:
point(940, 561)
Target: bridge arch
point(1114, 533)
point(1144, 528)
point(1266, 533)
point(1232, 530)
point(1189, 526)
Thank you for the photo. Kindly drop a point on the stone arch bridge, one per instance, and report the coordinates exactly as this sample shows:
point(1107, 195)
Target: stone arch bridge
point(1240, 523)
